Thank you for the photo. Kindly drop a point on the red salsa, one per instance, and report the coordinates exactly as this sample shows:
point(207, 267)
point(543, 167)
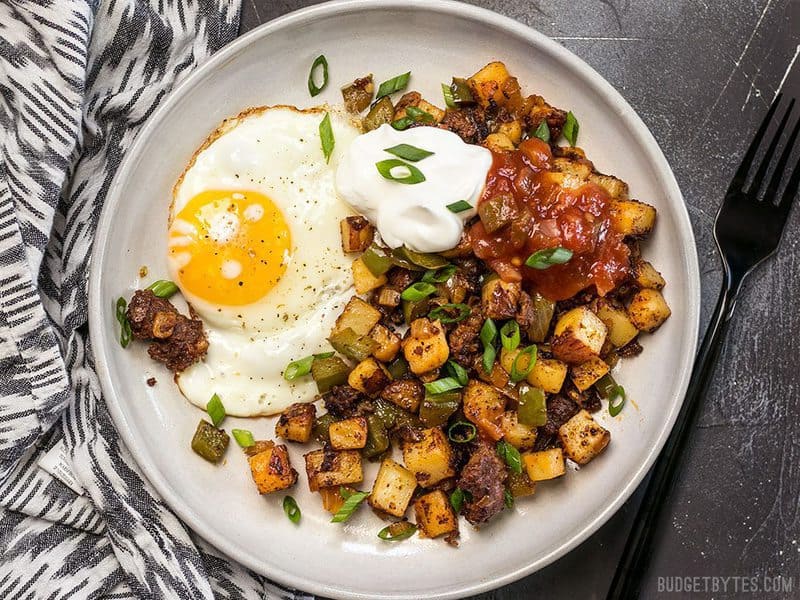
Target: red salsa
point(526, 203)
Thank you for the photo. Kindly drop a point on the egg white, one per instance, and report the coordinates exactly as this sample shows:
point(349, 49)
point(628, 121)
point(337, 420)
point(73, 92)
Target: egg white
point(275, 151)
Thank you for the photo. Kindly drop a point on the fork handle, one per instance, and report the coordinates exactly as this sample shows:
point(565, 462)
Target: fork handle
point(638, 551)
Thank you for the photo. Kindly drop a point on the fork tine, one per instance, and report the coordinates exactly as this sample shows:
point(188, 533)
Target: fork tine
point(776, 138)
point(790, 194)
point(780, 168)
point(741, 173)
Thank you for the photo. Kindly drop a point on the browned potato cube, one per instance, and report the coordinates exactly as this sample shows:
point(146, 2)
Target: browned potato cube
point(583, 438)
point(357, 234)
point(648, 310)
point(631, 217)
point(521, 436)
point(388, 296)
point(342, 467)
point(363, 279)
point(296, 422)
point(616, 188)
point(348, 434)
point(426, 347)
point(488, 84)
point(498, 142)
point(512, 130)
point(548, 374)
point(369, 377)
point(394, 486)
point(387, 343)
point(545, 464)
point(646, 275)
point(358, 316)
point(585, 375)
point(499, 298)
point(430, 458)
point(484, 404)
point(405, 393)
point(271, 469)
point(435, 516)
point(579, 335)
point(620, 328)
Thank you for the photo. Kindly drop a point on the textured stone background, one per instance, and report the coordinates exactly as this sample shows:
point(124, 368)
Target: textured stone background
point(701, 75)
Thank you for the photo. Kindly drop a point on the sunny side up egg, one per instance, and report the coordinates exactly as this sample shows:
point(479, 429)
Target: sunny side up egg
point(254, 246)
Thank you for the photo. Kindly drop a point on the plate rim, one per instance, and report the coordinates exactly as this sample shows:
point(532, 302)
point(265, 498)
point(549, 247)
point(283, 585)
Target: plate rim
point(626, 113)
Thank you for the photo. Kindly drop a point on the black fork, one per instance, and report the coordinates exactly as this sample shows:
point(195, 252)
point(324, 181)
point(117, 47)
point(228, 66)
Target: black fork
point(747, 230)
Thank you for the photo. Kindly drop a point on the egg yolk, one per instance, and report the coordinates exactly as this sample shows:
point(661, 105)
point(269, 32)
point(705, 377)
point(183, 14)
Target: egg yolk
point(230, 247)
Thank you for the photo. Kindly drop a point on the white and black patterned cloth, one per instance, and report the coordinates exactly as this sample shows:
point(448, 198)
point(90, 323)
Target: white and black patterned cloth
point(78, 78)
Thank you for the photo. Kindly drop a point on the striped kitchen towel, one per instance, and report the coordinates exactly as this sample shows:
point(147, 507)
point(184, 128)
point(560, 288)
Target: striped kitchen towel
point(78, 78)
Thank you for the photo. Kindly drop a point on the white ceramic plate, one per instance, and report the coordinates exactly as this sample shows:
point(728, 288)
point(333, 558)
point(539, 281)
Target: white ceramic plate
point(268, 66)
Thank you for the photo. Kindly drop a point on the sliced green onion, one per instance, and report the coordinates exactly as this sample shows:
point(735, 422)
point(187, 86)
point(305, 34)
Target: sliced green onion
point(571, 128)
point(301, 367)
point(613, 392)
point(351, 503)
point(457, 499)
point(419, 115)
point(408, 152)
point(449, 100)
point(488, 335)
point(411, 174)
point(418, 291)
point(508, 499)
point(462, 92)
point(542, 131)
point(544, 259)
point(395, 84)
point(440, 386)
point(532, 407)
point(509, 335)
point(397, 532)
point(439, 275)
point(510, 455)
point(125, 334)
point(402, 123)
point(291, 509)
point(459, 206)
point(326, 137)
point(312, 87)
point(444, 313)
point(461, 432)
point(243, 437)
point(517, 373)
point(163, 288)
point(458, 372)
point(215, 410)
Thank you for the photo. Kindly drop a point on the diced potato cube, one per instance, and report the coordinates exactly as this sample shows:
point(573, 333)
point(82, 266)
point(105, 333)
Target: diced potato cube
point(616, 188)
point(631, 217)
point(488, 83)
point(387, 343)
point(620, 328)
point(271, 469)
point(425, 349)
point(296, 422)
point(388, 296)
point(348, 434)
point(585, 375)
point(369, 377)
point(435, 516)
point(499, 298)
point(646, 275)
point(512, 130)
point(393, 489)
point(358, 316)
point(438, 113)
point(548, 374)
point(583, 438)
point(342, 467)
point(579, 335)
point(545, 464)
point(484, 404)
point(430, 458)
point(648, 310)
point(363, 279)
point(521, 436)
point(576, 172)
point(357, 234)
point(498, 142)
point(405, 393)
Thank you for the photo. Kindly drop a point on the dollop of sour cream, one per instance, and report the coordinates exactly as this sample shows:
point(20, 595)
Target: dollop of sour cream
point(414, 215)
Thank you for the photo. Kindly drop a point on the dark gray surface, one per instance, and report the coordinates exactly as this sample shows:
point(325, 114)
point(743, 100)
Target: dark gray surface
point(700, 74)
